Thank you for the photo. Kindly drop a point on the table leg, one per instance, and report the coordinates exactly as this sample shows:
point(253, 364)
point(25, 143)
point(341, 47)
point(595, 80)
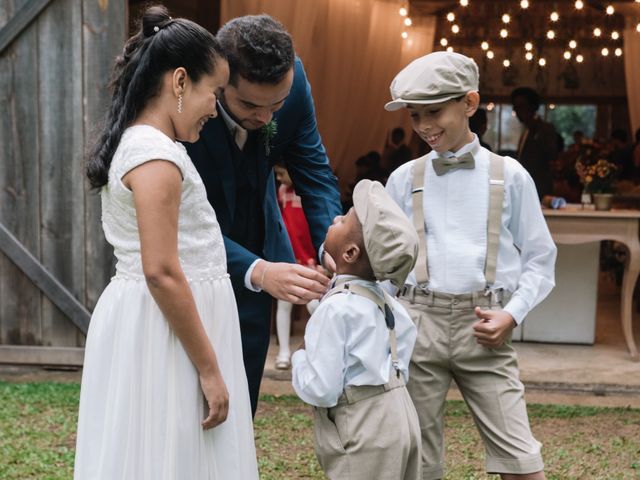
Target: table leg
point(630, 276)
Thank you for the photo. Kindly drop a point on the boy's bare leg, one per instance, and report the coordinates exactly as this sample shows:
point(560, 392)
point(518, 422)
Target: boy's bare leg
point(525, 476)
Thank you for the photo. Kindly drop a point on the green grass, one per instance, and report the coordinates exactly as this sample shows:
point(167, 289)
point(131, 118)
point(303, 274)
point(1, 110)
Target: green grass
point(38, 421)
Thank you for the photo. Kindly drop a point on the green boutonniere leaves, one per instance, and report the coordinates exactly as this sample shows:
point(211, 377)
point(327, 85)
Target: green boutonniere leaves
point(268, 132)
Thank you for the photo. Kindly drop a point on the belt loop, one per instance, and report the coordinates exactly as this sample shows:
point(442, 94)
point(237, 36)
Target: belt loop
point(474, 299)
point(412, 294)
point(431, 298)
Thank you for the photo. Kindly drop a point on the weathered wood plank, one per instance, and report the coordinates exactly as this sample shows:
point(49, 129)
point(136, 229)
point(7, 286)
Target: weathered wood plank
point(104, 33)
point(60, 128)
point(55, 291)
point(63, 356)
point(19, 186)
point(26, 14)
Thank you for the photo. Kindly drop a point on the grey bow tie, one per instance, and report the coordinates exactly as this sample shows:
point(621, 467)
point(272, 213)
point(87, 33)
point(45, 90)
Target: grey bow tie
point(442, 165)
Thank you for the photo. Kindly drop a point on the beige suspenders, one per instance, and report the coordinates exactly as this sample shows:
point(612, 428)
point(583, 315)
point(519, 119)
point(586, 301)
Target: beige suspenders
point(383, 305)
point(494, 218)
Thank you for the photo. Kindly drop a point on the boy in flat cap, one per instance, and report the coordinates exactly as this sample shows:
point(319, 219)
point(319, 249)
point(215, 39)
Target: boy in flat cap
point(358, 345)
point(486, 259)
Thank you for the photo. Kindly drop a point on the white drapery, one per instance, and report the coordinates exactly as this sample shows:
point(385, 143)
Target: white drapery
point(351, 50)
point(632, 70)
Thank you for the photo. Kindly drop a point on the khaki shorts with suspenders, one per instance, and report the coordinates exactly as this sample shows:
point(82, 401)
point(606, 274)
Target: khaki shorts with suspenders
point(446, 349)
point(373, 432)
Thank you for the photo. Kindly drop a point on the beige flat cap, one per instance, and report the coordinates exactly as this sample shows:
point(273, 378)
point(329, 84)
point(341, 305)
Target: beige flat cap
point(390, 240)
point(434, 78)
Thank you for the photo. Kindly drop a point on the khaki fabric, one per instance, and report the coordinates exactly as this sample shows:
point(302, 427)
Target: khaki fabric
point(373, 433)
point(488, 379)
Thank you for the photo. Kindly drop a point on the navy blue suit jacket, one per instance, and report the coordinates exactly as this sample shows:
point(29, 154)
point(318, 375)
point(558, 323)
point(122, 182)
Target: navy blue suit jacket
point(298, 143)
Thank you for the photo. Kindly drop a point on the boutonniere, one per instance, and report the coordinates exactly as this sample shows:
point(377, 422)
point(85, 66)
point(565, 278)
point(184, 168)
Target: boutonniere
point(268, 132)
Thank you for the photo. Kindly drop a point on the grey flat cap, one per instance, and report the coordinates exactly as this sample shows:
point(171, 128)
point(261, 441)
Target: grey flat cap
point(434, 78)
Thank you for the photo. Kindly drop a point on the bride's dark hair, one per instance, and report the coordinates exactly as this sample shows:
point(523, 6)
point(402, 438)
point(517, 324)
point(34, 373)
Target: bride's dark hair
point(162, 44)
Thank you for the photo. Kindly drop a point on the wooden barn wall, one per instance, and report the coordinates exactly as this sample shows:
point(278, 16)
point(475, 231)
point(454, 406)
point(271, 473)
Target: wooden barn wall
point(53, 81)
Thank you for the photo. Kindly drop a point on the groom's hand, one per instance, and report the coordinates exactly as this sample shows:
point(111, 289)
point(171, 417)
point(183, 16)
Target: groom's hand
point(289, 281)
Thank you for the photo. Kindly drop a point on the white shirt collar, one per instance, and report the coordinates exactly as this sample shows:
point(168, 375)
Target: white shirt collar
point(232, 125)
point(473, 147)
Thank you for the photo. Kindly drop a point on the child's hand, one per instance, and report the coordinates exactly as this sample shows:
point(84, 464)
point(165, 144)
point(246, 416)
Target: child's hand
point(493, 328)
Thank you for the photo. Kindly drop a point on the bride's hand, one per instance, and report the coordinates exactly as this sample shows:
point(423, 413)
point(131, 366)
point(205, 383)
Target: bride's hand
point(217, 398)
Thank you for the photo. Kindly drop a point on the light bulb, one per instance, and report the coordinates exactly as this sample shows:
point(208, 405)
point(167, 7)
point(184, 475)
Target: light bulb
point(554, 16)
point(525, 4)
point(528, 56)
point(573, 44)
point(464, 3)
point(615, 35)
point(451, 16)
point(443, 42)
point(618, 52)
point(484, 46)
point(551, 34)
point(579, 58)
point(638, 27)
point(504, 33)
point(408, 22)
point(490, 55)
point(490, 106)
point(542, 62)
point(567, 55)
point(528, 46)
point(552, 106)
point(455, 28)
point(506, 63)
point(610, 10)
point(604, 51)
point(597, 32)
point(506, 18)
point(449, 49)
point(404, 34)
point(403, 12)
point(579, 4)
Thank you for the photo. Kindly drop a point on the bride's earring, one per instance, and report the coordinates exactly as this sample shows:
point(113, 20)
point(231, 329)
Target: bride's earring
point(180, 103)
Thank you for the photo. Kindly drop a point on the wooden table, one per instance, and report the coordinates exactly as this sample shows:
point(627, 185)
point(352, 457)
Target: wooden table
point(574, 225)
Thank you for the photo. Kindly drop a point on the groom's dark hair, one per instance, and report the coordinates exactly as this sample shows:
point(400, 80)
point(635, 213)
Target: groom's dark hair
point(258, 48)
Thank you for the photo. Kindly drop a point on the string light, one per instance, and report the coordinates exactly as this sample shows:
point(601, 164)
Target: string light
point(490, 106)
point(404, 35)
point(615, 35)
point(408, 22)
point(573, 44)
point(455, 28)
point(506, 63)
point(597, 32)
point(451, 16)
point(490, 54)
point(618, 52)
point(638, 28)
point(554, 16)
point(605, 52)
point(506, 18)
point(524, 4)
point(551, 34)
point(579, 58)
point(484, 45)
point(610, 10)
point(542, 62)
point(528, 56)
point(504, 33)
point(464, 3)
point(449, 49)
point(403, 12)
point(579, 4)
point(567, 55)
point(528, 46)
point(443, 42)
point(552, 106)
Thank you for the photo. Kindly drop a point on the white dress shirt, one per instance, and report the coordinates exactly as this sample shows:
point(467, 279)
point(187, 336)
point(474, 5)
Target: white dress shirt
point(456, 206)
point(347, 343)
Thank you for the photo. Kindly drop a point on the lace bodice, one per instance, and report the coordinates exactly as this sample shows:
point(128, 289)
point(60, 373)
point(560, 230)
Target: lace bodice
point(200, 244)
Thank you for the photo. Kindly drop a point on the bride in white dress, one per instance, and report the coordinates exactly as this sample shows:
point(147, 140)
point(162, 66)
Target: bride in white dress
point(164, 392)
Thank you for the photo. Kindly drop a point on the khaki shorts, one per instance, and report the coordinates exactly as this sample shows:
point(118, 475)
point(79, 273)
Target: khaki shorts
point(487, 378)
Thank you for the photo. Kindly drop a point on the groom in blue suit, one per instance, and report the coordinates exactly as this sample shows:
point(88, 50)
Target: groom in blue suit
point(266, 113)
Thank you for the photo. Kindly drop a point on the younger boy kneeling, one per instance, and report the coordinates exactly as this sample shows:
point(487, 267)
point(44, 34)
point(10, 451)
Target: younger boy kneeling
point(358, 347)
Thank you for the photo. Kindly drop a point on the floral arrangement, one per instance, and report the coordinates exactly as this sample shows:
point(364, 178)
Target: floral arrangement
point(268, 132)
point(596, 173)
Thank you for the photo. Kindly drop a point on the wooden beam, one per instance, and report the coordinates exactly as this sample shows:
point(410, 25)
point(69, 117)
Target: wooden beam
point(43, 279)
point(31, 355)
point(21, 20)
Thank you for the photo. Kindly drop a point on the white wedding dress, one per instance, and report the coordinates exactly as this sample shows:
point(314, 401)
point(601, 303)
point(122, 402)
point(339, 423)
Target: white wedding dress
point(141, 405)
